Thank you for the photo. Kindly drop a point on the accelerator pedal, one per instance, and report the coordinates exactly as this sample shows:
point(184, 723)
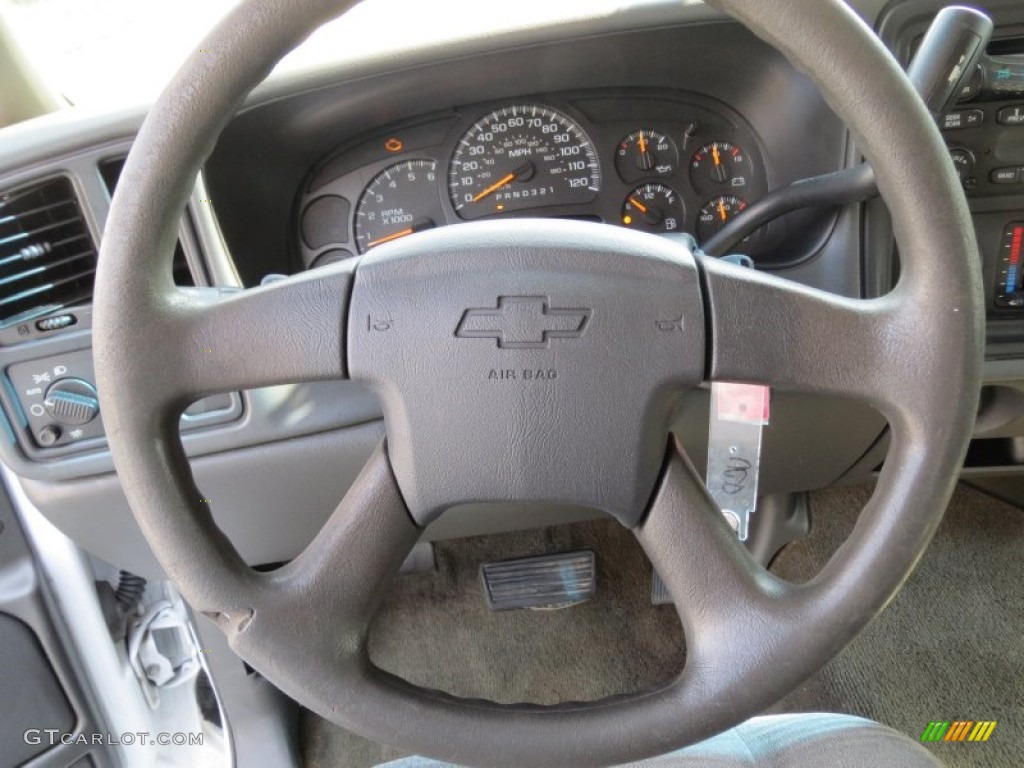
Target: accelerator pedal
point(546, 582)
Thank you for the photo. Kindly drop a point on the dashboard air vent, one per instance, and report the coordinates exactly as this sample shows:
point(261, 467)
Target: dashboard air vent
point(47, 256)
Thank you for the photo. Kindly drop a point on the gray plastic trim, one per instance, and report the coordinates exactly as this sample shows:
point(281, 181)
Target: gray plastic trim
point(260, 719)
point(277, 413)
point(27, 593)
point(210, 241)
point(103, 667)
point(270, 499)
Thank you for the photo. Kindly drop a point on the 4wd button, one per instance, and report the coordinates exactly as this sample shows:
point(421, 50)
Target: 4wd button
point(962, 118)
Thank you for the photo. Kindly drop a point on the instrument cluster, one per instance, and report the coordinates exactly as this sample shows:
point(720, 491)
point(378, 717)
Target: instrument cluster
point(658, 162)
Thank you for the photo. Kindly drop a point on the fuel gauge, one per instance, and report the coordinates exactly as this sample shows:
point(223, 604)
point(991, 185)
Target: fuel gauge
point(653, 207)
point(646, 153)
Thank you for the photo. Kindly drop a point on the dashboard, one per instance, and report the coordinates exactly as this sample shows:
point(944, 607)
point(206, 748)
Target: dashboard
point(658, 116)
point(668, 119)
point(654, 161)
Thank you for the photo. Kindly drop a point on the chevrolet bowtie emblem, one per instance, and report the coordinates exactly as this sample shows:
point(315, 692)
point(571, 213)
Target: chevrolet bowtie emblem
point(523, 322)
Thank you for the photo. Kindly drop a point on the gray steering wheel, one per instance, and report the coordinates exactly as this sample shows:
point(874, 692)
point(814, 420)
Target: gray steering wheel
point(588, 302)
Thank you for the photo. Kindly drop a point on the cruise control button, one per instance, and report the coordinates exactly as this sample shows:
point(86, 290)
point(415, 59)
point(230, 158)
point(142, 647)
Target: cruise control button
point(1011, 115)
point(1005, 176)
point(962, 118)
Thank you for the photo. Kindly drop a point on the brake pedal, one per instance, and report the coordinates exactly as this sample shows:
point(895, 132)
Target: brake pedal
point(659, 592)
point(545, 582)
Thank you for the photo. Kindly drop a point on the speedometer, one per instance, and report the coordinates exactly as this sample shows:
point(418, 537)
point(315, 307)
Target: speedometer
point(523, 156)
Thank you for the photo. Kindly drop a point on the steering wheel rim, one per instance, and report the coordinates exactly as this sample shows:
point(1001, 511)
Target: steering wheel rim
point(751, 638)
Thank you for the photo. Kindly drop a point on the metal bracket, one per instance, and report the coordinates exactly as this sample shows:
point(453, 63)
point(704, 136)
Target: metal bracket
point(162, 649)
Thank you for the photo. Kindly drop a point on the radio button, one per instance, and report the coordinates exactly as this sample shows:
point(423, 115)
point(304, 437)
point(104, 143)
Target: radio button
point(1005, 176)
point(962, 118)
point(1012, 115)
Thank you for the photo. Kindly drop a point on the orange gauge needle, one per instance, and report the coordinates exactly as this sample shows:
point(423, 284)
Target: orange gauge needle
point(722, 211)
point(495, 187)
point(417, 226)
point(714, 153)
point(643, 143)
point(389, 238)
point(640, 206)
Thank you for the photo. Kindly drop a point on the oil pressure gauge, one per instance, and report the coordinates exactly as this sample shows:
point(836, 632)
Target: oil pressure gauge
point(646, 153)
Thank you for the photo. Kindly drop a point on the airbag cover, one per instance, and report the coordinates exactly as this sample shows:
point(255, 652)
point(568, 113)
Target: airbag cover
point(536, 363)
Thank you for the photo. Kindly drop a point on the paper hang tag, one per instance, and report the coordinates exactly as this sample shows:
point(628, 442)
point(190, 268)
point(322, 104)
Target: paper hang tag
point(739, 414)
point(744, 403)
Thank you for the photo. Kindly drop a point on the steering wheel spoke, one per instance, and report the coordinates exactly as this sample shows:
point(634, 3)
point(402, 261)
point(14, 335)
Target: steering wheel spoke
point(288, 331)
point(330, 592)
point(709, 574)
point(766, 330)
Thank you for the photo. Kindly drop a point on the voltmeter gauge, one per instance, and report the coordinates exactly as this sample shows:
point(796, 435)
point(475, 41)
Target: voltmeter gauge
point(646, 153)
point(653, 207)
point(716, 214)
point(720, 164)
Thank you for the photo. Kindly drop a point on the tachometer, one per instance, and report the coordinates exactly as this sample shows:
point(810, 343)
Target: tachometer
point(522, 156)
point(401, 200)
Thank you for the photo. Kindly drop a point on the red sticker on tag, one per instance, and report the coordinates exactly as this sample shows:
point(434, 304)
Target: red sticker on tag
point(744, 403)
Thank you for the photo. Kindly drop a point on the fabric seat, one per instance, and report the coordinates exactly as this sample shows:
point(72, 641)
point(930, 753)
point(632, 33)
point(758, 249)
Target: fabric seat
point(785, 741)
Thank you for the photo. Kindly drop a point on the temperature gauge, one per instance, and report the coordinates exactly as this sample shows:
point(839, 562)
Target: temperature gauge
point(716, 214)
point(646, 153)
point(720, 164)
point(653, 208)
point(1008, 278)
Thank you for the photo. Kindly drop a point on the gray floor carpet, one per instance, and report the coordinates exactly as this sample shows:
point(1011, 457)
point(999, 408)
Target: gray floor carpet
point(436, 630)
point(948, 647)
point(612, 643)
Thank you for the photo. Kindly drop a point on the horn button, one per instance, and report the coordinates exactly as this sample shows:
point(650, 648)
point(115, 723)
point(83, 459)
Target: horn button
point(527, 361)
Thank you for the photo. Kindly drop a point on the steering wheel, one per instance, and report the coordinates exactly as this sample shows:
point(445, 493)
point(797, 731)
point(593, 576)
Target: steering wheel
point(601, 330)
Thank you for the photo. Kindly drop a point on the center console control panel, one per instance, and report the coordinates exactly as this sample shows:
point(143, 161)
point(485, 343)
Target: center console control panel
point(985, 136)
point(985, 131)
